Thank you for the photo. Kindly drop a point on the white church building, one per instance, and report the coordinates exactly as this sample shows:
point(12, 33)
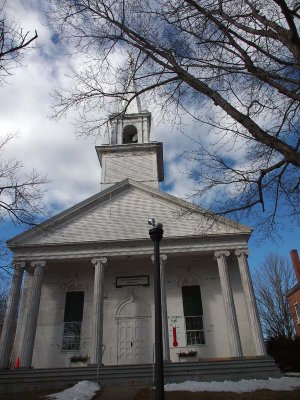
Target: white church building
point(82, 290)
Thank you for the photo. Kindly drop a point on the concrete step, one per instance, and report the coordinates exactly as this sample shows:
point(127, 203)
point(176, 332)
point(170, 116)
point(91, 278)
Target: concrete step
point(51, 378)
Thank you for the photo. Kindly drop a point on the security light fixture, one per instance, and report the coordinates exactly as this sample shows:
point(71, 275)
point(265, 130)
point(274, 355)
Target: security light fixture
point(151, 221)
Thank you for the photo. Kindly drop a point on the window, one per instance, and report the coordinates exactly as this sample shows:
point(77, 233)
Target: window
point(297, 310)
point(193, 314)
point(72, 320)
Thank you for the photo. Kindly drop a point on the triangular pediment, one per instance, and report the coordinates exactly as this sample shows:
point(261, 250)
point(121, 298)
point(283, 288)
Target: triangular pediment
point(121, 213)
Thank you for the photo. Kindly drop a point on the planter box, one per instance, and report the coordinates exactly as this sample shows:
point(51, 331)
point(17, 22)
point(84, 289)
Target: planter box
point(188, 359)
point(74, 364)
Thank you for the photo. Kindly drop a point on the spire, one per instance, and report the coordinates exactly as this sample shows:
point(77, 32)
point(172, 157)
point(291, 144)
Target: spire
point(134, 107)
point(131, 122)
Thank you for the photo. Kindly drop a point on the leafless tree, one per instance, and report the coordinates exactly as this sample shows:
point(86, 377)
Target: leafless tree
point(20, 199)
point(3, 299)
point(272, 279)
point(232, 65)
point(20, 193)
point(14, 42)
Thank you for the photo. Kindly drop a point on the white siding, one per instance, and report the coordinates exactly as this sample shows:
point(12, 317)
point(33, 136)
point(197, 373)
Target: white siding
point(141, 168)
point(125, 217)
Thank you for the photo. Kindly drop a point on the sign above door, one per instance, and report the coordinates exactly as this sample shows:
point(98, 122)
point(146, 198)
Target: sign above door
point(140, 280)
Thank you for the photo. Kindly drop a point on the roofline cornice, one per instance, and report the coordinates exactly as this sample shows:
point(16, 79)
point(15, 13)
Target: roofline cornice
point(187, 245)
point(294, 289)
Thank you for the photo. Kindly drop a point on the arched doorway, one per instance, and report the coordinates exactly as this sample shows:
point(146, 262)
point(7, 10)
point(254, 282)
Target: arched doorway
point(134, 332)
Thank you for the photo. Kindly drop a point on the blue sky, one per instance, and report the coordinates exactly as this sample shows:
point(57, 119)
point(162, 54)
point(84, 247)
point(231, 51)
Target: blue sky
point(52, 148)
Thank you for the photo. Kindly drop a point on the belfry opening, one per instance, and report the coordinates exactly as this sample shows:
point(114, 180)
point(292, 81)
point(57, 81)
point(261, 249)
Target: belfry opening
point(130, 134)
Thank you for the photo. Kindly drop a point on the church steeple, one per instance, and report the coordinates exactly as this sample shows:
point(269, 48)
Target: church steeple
point(131, 153)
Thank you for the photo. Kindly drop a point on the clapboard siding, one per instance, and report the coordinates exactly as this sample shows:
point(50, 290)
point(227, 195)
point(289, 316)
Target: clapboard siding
point(140, 168)
point(125, 216)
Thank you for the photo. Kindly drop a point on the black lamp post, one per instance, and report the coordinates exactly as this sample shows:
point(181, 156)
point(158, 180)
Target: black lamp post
point(156, 234)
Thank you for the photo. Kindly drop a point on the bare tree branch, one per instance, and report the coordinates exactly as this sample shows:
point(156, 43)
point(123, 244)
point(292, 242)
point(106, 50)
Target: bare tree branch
point(14, 43)
point(231, 65)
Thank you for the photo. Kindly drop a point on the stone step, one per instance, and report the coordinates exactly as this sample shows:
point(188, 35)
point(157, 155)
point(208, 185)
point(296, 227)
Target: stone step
point(51, 378)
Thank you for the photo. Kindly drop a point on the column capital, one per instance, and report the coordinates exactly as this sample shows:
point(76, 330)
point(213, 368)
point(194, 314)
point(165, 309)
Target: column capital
point(39, 263)
point(220, 253)
point(102, 260)
point(18, 265)
point(163, 257)
point(241, 252)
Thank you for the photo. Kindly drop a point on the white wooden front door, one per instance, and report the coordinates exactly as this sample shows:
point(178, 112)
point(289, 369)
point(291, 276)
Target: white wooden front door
point(134, 341)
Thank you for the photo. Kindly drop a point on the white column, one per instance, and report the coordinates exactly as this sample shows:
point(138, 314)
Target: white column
point(230, 314)
point(7, 336)
point(32, 313)
point(21, 318)
point(250, 301)
point(164, 309)
point(97, 317)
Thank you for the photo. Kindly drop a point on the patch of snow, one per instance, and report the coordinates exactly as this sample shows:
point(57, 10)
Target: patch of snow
point(83, 390)
point(243, 385)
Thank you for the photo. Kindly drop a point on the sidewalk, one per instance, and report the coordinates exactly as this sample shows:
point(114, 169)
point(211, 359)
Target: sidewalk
point(119, 393)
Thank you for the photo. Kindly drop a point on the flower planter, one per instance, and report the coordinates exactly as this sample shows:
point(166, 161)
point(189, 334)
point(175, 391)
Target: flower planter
point(79, 361)
point(76, 364)
point(188, 359)
point(190, 356)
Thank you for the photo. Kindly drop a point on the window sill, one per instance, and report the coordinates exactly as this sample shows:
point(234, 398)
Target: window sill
point(69, 351)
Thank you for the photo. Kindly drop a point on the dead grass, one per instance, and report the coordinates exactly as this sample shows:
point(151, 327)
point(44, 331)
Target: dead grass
point(149, 394)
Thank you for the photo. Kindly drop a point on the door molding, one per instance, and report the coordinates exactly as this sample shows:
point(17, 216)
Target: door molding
point(132, 308)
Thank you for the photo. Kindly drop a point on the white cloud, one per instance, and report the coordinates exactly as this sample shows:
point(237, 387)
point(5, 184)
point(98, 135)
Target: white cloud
point(44, 144)
point(49, 146)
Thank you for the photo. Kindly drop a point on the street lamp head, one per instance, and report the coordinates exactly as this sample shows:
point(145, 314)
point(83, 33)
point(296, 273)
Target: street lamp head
point(151, 221)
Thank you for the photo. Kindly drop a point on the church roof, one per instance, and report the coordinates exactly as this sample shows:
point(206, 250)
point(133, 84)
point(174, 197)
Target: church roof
point(121, 212)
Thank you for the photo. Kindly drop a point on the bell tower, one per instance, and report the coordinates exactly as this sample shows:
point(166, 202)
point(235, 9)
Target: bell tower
point(131, 152)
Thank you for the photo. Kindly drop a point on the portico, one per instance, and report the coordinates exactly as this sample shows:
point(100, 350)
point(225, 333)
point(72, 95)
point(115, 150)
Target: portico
point(117, 325)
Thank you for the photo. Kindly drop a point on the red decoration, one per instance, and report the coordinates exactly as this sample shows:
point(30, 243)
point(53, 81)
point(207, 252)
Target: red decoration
point(17, 363)
point(175, 343)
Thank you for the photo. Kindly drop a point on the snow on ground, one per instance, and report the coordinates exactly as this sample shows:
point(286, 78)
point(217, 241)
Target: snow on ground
point(83, 390)
point(238, 387)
